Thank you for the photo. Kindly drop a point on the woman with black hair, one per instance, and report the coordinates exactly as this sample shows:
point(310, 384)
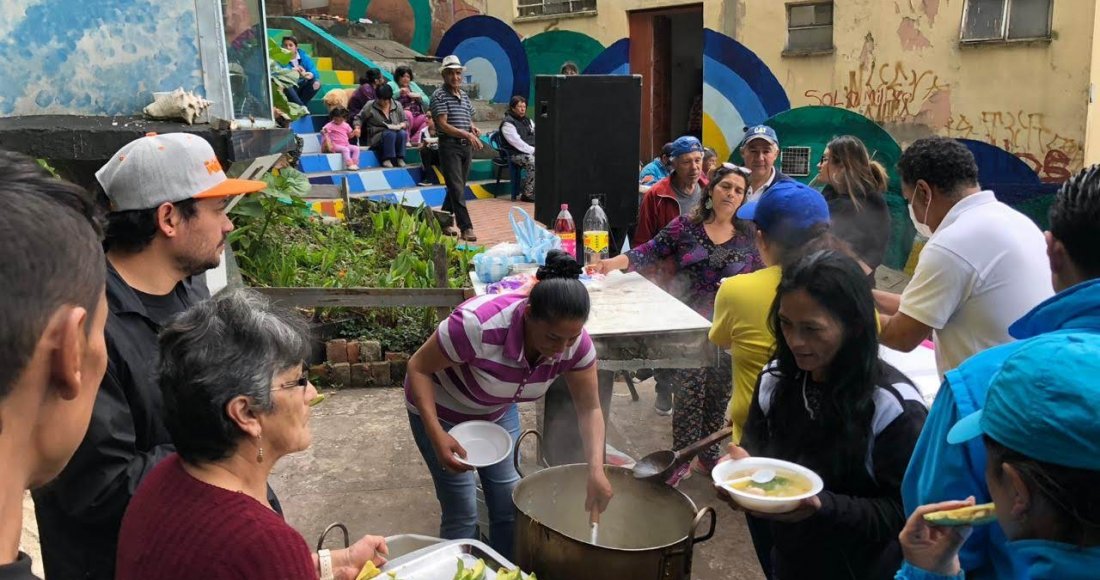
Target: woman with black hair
point(829, 403)
point(699, 250)
point(492, 352)
point(415, 105)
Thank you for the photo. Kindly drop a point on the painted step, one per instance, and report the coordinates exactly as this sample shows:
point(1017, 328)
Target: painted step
point(431, 196)
point(311, 145)
point(323, 63)
point(480, 169)
point(337, 77)
point(372, 180)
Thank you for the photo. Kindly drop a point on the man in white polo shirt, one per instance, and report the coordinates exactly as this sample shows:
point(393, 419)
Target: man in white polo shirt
point(984, 265)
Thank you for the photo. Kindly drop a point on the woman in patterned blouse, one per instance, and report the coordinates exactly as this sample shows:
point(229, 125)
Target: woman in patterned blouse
point(702, 248)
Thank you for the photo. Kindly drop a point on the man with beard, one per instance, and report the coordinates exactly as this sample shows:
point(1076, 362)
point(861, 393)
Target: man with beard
point(167, 225)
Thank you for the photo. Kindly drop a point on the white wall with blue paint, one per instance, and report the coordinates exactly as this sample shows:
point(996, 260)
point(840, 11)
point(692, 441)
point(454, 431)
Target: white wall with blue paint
point(96, 57)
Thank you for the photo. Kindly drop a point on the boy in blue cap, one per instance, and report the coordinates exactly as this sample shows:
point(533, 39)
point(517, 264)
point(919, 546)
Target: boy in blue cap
point(939, 471)
point(1041, 430)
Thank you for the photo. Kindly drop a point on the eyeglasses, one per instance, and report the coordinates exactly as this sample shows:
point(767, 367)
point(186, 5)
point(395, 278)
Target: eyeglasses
point(301, 381)
point(731, 168)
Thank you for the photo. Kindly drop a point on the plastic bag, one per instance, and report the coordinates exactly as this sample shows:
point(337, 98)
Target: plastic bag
point(535, 240)
point(505, 249)
point(490, 268)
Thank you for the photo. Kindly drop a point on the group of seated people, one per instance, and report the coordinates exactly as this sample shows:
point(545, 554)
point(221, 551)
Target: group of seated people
point(804, 324)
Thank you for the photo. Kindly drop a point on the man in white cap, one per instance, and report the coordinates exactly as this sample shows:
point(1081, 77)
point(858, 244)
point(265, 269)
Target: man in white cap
point(167, 224)
point(454, 121)
point(760, 150)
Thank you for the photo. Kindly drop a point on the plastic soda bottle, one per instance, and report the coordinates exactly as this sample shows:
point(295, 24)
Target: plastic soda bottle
point(596, 237)
point(566, 230)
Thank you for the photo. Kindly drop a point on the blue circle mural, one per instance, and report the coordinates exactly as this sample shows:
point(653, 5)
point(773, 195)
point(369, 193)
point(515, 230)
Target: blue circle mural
point(614, 60)
point(494, 56)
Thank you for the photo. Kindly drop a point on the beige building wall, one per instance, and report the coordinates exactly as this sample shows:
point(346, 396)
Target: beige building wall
point(607, 25)
point(901, 64)
point(1092, 133)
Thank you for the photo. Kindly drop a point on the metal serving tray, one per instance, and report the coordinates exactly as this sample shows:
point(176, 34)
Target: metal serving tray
point(440, 562)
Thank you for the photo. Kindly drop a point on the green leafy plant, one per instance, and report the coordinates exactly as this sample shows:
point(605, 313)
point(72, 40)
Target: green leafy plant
point(283, 78)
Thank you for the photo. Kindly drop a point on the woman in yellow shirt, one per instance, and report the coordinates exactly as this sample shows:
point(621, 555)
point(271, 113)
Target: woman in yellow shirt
point(789, 217)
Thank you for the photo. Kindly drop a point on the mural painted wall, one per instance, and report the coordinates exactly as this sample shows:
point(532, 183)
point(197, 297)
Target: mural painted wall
point(95, 57)
point(901, 65)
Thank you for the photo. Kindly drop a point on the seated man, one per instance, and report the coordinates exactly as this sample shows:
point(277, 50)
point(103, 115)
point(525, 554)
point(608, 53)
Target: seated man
point(657, 169)
point(519, 141)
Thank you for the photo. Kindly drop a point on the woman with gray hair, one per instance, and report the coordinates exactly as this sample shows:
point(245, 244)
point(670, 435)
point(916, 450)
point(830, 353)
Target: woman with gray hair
point(236, 400)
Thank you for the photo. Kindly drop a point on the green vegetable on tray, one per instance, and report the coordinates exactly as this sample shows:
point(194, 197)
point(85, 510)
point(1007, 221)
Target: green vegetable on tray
point(477, 572)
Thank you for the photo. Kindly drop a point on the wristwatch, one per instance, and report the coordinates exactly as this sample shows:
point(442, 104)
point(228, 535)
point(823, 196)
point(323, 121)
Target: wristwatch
point(325, 559)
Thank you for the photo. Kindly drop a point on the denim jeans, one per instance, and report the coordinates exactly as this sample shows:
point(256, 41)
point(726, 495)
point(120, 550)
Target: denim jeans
point(392, 146)
point(457, 492)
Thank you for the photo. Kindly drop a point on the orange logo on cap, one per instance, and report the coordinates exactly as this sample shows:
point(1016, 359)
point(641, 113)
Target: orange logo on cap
point(213, 166)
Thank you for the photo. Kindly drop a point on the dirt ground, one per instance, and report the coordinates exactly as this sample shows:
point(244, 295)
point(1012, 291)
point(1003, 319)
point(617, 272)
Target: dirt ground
point(363, 469)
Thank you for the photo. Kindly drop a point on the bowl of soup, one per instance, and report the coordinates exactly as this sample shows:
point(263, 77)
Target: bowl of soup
point(792, 484)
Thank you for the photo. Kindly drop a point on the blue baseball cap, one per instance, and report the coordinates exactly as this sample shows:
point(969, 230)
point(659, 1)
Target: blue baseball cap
point(1044, 402)
point(760, 132)
point(685, 144)
point(787, 204)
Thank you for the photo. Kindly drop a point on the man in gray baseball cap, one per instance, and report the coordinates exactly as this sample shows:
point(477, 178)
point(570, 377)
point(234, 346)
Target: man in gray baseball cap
point(167, 225)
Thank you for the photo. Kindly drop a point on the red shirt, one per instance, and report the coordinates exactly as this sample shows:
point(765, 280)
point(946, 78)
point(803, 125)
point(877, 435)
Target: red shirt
point(179, 528)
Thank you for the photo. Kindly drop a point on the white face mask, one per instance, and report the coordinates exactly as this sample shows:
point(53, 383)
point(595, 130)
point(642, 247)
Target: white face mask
point(923, 229)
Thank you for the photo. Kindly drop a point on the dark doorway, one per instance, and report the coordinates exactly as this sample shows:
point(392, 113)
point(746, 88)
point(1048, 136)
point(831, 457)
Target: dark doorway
point(666, 48)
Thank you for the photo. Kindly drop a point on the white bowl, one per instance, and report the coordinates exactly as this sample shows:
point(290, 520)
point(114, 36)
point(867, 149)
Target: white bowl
point(727, 470)
point(485, 443)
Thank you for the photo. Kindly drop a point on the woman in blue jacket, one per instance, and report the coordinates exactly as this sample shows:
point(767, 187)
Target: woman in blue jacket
point(1041, 431)
point(309, 82)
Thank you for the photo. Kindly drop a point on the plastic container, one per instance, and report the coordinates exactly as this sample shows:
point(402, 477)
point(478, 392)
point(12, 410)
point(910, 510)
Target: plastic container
point(727, 470)
point(597, 239)
point(566, 230)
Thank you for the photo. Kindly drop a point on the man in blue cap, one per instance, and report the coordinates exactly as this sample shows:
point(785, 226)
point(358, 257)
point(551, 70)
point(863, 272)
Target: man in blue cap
point(939, 471)
point(760, 150)
point(1041, 430)
point(670, 198)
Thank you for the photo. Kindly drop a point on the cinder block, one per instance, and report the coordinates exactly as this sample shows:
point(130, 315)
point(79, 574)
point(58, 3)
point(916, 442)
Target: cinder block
point(370, 351)
point(336, 351)
point(353, 351)
point(341, 374)
point(360, 375)
point(380, 374)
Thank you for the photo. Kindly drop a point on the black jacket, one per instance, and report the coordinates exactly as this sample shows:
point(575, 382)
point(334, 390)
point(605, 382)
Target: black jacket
point(524, 127)
point(79, 513)
point(866, 229)
point(854, 534)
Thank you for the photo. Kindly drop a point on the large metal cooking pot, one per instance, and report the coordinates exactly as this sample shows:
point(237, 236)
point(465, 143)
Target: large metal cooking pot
point(647, 532)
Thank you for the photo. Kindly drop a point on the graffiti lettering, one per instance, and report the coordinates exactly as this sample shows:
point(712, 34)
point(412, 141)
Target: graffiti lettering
point(1053, 156)
point(887, 94)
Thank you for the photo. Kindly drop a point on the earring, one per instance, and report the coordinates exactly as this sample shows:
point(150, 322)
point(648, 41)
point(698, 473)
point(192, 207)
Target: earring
point(708, 204)
point(260, 455)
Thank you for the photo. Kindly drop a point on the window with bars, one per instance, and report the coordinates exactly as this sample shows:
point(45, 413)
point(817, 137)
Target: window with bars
point(991, 20)
point(809, 27)
point(535, 8)
point(795, 161)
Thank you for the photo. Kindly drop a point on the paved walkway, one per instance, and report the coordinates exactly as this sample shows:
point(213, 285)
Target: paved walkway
point(490, 217)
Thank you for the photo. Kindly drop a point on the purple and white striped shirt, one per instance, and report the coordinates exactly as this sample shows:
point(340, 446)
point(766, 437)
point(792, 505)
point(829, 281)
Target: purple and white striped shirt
point(484, 336)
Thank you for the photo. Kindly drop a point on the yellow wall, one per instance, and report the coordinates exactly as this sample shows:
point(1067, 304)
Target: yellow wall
point(900, 63)
point(607, 26)
point(1092, 135)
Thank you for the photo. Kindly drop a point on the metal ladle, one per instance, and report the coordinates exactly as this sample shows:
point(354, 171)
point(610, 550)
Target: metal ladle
point(659, 465)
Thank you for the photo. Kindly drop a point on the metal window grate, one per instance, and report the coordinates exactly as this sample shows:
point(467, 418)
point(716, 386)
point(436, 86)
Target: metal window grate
point(530, 8)
point(796, 161)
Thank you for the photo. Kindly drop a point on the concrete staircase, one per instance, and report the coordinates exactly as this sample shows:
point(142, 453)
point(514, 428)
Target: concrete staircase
point(410, 185)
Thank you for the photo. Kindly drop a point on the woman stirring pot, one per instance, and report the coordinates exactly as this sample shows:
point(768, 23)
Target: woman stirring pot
point(491, 353)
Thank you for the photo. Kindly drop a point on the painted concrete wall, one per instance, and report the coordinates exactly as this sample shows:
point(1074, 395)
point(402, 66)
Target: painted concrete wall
point(95, 57)
point(1092, 133)
point(901, 65)
point(606, 26)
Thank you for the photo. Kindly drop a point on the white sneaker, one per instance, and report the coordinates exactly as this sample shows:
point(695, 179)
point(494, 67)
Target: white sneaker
point(387, 163)
point(353, 168)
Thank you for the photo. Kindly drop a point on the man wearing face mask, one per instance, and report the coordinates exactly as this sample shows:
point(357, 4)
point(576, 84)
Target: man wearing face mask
point(983, 267)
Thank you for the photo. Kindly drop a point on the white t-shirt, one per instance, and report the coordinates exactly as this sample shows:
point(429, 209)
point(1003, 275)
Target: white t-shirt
point(983, 268)
point(753, 195)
